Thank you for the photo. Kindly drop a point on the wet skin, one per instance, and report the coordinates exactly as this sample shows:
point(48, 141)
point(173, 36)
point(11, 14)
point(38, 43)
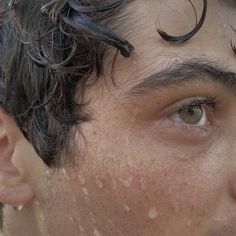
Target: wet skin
point(143, 170)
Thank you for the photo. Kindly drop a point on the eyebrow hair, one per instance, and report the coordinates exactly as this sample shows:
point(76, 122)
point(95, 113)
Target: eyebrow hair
point(185, 72)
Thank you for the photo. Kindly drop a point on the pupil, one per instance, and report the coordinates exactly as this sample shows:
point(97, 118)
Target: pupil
point(191, 115)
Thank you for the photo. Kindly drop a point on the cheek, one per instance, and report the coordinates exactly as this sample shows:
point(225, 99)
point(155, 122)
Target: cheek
point(141, 185)
point(152, 196)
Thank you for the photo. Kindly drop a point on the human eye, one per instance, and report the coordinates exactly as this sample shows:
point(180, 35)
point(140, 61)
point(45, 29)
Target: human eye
point(193, 114)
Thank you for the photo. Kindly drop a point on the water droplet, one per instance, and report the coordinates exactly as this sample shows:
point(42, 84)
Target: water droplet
point(126, 207)
point(71, 219)
point(65, 174)
point(18, 208)
point(81, 228)
point(189, 223)
point(85, 191)
point(48, 173)
point(152, 214)
point(99, 183)
point(143, 184)
point(81, 179)
point(127, 182)
point(42, 218)
point(96, 232)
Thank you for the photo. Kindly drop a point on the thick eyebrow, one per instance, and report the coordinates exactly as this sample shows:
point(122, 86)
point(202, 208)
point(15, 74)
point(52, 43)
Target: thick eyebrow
point(183, 72)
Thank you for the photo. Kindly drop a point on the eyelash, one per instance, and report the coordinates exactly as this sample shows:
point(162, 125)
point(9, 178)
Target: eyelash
point(210, 103)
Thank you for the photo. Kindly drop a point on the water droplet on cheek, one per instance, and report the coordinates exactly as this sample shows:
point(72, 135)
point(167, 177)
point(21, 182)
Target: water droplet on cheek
point(86, 194)
point(189, 223)
point(71, 219)
point(96, 233)
point(48, 173)
point(127, 208)
point(65, 174)
point(99, 182)
point(81, 179)
point(19, 207)
point(142, 184)
point(152, 214)
point(127, 182)
point(85, 191)
point(42, 218)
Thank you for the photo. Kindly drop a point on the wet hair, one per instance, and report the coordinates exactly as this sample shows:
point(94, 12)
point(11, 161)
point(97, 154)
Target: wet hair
point(49, 51)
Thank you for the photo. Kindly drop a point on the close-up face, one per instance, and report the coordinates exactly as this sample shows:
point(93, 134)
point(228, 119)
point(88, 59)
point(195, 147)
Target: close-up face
point(157, 157)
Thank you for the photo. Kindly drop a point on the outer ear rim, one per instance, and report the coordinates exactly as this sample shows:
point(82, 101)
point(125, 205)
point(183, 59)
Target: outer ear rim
point(14, 188)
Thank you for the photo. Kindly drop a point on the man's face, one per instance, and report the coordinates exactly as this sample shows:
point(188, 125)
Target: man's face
point(157, 158)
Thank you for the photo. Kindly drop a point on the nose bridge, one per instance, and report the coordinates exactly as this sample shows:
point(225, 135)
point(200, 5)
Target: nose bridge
point(233, 186)
point(227, 148)
point(232, 165)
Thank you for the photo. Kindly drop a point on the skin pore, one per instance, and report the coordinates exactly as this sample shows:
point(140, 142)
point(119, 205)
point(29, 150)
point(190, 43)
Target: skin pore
point(141, 169)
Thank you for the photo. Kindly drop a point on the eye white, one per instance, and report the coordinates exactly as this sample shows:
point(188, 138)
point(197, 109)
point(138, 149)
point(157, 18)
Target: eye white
point(201, 123)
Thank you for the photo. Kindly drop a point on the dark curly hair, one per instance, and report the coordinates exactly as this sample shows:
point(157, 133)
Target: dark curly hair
point(49, 51)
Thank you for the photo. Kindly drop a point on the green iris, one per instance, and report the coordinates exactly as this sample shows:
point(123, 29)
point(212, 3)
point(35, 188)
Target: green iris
point(191, 115)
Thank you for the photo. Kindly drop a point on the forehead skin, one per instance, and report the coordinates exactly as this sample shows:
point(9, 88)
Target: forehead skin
point(177, 18)
point(137, 175)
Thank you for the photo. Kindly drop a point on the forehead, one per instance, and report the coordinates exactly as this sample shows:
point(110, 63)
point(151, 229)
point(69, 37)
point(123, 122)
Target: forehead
point(177, 18)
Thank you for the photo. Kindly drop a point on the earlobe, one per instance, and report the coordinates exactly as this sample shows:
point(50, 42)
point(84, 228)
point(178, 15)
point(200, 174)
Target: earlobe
point(14, 189)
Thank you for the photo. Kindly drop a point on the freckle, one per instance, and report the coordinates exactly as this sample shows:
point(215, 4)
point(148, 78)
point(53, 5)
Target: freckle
point(152, 214)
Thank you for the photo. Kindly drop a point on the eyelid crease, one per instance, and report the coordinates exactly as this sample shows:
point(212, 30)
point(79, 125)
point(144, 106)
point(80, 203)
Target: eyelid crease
point(212, 102)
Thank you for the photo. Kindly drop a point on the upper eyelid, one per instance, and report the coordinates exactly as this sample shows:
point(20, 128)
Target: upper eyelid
point(176, 106)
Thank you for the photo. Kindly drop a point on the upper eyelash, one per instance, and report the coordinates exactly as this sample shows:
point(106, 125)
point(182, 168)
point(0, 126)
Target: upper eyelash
point(209, 102)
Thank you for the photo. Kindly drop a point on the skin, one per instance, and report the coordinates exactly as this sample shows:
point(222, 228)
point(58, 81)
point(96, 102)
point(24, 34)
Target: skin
point(140, 171)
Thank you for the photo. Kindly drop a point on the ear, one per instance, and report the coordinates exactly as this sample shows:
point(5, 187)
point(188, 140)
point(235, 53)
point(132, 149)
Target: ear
point(14, 188)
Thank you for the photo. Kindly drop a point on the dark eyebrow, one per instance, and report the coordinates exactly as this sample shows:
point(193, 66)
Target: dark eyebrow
point(185, 72)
